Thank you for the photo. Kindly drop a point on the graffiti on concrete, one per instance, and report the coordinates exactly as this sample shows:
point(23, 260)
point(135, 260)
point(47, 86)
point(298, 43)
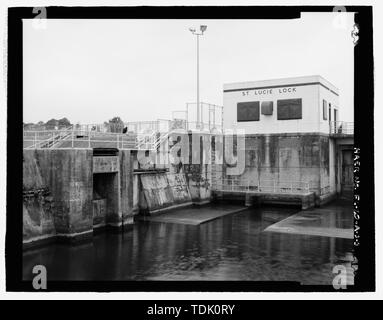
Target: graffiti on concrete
point(105, 164)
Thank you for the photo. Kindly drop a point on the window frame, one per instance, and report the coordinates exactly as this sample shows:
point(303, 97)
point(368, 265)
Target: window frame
point(289, 111)
point(249, 104)
point(324, 110)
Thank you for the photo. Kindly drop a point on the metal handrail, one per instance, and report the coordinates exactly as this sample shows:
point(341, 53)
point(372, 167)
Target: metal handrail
point(273, 186)
point(56, 137)
point(341, 127)
point(91, 137)
point(144, 141)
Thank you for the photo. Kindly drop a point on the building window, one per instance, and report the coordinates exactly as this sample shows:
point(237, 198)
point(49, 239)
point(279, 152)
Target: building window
point(324, 109)
point(329, 112)
point(248, 111)
point(289, 109)
point(267, 108)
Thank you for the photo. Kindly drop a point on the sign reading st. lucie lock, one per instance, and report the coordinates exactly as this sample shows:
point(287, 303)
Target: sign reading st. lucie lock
point(269, 91)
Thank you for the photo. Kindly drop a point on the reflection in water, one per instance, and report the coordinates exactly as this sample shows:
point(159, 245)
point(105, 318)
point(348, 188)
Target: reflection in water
point(231, 248)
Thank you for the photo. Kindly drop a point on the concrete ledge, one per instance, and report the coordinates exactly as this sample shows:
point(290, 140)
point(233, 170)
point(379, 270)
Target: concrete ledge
point(305, 201)
point(327, 198)
point(72, 238)
point(315, 222)
point(195, 215)
point(79, 237)
point(38, 242)
point(75, 238)
point(113, 228)
point(201, 202)
point(163, 210)
point(128, 220)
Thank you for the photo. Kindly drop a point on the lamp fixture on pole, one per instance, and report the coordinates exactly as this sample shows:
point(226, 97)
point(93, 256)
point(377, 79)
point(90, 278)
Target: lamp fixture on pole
point(198, 34)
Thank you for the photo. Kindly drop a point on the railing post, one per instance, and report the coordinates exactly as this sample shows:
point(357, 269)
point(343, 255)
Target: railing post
point(274, 186)
point(117, 140)
point(35, 140)
point(209, 116)
point(291, 187)
point(72, 139)
point(89, 140)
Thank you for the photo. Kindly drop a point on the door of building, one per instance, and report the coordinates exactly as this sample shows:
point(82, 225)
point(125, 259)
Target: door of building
point(347, 174)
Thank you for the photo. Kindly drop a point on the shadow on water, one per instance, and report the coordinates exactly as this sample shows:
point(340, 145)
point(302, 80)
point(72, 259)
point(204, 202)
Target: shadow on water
point(230, 248)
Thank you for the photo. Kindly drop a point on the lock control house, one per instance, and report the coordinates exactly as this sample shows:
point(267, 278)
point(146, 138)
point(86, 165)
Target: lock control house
point(303, 104)
point(293, 134)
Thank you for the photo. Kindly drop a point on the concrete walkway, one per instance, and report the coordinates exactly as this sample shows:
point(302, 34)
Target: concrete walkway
point(330, 221)
point(195, 215)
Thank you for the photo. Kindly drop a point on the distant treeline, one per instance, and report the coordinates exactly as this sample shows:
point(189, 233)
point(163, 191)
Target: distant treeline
point(49, 125)
point(113, 125)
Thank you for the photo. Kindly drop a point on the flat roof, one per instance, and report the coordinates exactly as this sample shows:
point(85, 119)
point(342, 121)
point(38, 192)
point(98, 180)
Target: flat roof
point(282, 82)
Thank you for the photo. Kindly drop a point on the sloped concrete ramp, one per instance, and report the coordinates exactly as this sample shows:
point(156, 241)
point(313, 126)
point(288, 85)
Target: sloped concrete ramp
point(195, 215)
point(330, 222)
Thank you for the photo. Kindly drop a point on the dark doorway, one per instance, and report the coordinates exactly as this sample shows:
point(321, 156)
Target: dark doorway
point(105, 197)
point(347, 183)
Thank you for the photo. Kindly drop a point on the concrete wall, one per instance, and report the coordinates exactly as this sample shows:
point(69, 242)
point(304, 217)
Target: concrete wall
point(163, 190)
point(38, 218)
point(156, 190)
point(333, 165)
point(69, 192)
point(68, 176)
point(128, 208)
point(288, 158)
point(199, 168)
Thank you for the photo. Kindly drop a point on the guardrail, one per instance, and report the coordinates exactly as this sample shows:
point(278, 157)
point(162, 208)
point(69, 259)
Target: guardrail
point(44, 139)
point(264, 186)
point(68, 139)
point(341, 127)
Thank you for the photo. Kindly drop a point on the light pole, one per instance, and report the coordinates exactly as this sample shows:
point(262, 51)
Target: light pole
point(193, 31)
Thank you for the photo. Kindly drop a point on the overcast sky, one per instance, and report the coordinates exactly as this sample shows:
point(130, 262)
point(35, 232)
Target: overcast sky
point(92, 70)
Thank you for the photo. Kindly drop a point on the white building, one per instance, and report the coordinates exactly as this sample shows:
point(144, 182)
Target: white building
point(289, 105)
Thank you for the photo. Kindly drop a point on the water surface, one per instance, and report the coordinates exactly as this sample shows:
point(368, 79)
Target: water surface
point(233, 247)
